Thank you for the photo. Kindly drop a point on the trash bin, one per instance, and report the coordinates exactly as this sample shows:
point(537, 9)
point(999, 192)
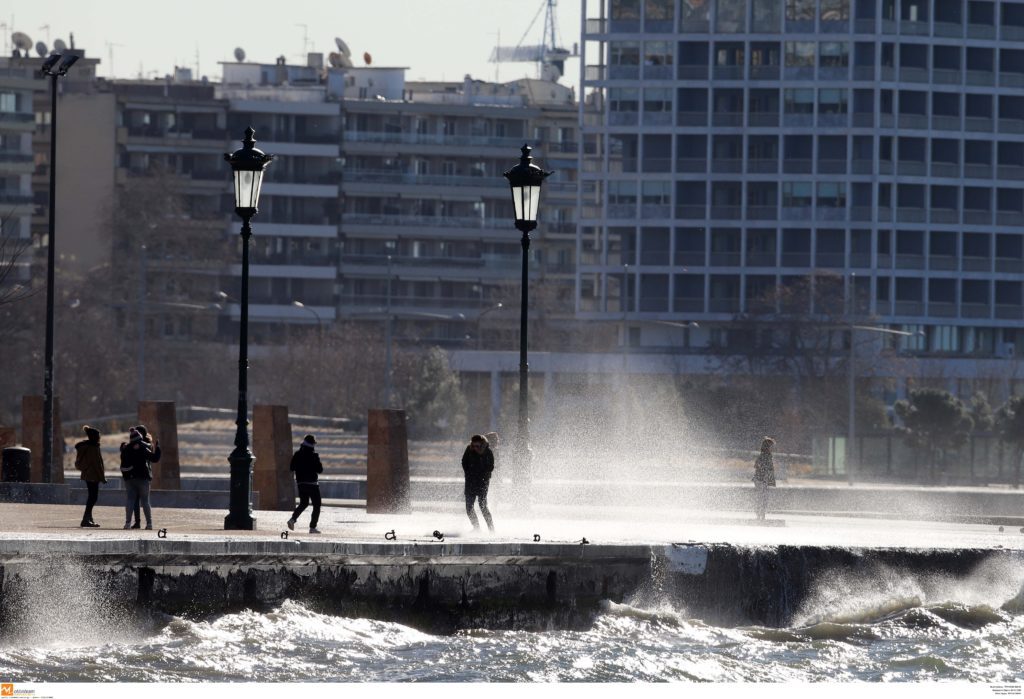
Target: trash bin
point(17, 465)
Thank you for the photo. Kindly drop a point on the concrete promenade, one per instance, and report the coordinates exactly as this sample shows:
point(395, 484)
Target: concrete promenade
point(534, 572)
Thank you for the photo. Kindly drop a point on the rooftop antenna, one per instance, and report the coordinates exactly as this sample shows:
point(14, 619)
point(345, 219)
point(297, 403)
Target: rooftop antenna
point(305, 40)
point(5, 29)
point(110, 55)
point(45, 28)
point(197, 60)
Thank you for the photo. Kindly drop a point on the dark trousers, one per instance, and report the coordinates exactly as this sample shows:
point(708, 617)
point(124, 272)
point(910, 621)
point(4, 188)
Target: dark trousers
point(307, 492)
point(94, 494)
point(474, 492)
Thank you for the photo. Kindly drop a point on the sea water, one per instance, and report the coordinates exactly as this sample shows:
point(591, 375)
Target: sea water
point(903, 640)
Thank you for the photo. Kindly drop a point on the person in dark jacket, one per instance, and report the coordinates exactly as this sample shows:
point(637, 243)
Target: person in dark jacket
point(136, 524)
point(137, 459)
point(306, 465)
point(764, 476)
point(477, 465)
point(89, 460)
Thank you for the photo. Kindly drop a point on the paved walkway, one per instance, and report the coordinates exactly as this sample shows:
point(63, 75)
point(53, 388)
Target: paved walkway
point(604, 525)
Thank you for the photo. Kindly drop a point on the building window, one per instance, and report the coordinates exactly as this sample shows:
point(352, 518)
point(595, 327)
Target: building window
point(800, 9)
point(800, 54)
point(796, 194)
point(731, 16)
point(766, 15)
point(835, 10)
point(945, 338)
point(835, 54)
point(625, 9)
point(831, 101)
point(799, 100)
point(832, 194)
point(915, 342)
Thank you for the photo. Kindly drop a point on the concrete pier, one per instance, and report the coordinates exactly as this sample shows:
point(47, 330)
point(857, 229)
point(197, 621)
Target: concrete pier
point(550, 571)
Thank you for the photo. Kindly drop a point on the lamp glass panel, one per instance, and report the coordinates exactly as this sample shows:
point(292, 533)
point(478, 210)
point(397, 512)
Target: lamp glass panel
point(532, 202)
point(247, 188)
point(517, 201)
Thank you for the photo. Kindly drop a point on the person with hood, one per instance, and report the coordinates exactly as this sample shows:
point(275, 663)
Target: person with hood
point(136, 524)
point(137, 459)
point(477, 465)
point(764, 476)
point(89, 460)
point(306, 465)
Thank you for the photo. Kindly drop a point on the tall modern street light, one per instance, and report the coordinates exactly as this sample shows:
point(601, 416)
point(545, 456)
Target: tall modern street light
point(851, 375)
point(525, 180)
point(55, 66)
point(247, 164)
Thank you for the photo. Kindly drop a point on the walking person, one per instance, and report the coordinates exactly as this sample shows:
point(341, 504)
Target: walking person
point(89, 460)
point(764, 476)
point(477, 465)
point(137, 459)
point(307, 467)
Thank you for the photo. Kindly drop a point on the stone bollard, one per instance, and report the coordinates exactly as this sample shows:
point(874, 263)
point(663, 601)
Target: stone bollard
point(8, 437)
point(161, 421)
point(32, 436)
point(272, 444)
point(387, 463)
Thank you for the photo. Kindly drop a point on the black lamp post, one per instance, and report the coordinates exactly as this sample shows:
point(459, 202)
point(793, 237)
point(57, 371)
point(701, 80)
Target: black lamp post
point(525, 180)
point(55, 66)
point(247, 164)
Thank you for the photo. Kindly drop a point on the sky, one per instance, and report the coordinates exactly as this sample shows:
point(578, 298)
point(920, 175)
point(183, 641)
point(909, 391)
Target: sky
point(435, 39)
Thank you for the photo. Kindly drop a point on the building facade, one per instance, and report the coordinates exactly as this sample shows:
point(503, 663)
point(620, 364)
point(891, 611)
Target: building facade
point(747, 144)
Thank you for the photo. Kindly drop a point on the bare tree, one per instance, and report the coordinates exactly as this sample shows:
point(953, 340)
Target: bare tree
point(12, 249)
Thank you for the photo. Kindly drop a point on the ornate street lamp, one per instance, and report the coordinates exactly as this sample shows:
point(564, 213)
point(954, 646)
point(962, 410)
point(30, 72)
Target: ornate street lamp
point(247, 164)
point(55, 66)
point(525, 180)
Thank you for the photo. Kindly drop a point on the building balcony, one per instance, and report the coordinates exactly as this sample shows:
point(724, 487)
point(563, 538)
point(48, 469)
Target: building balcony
point(1005, 311)
point(355, 177)
point(942, 262)
point(724, 305)
point(981, 31)
point(762, 213)
point(943, 76)
point(976, 264)
point(975, 310)
point(978, 217)
point(945, 169)
point(725, 259)
point(978, 171)
point(981, 78)
point(908, 308)
point(978, 124)
point(942, 309)
point(763, 165)
point(948, 29)
point(945, 215)
point(350, 303)
point(1009, 265)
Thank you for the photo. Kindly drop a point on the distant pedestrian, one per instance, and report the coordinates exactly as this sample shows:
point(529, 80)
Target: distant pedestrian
point(148, 440)
point(477, 465)
point(89, 460)
point(307, 467)
point(764, 476)
point(137, 459)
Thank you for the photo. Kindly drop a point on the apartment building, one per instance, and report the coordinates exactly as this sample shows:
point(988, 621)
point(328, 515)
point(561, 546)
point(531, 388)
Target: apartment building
point(427, 222)
point(746, 144)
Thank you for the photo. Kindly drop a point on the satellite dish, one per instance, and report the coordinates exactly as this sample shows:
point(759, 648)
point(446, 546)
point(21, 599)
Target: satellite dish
point(343, 47)
point(239, 54)
point(21, 41)
point(344, 61)
point(334, 58)
point(59, 46)
point(41, 49)
point(367, 58)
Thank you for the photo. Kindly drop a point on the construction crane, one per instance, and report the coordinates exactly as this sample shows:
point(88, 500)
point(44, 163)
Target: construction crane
point(549, 57)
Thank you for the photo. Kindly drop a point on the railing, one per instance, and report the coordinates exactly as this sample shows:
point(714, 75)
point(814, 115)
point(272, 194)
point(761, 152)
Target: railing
point(393, 177)
point(435, 139)
point(425, 221)
point(975, 310)
point(942, 309)
point(976, 264)
point(19, 117)
point(6, 198)
point(379, 302)
point(11, 156)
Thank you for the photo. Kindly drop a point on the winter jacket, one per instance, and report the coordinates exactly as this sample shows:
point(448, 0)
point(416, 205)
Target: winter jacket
point(89, 461)
point(306, 465)
point(137, 459)
point(764, 469)
point(477, 466)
